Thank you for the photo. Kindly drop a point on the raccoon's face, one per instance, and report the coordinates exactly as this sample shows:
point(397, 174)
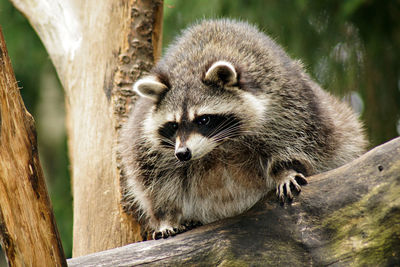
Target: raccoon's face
point(191, 123)
point(192, 139)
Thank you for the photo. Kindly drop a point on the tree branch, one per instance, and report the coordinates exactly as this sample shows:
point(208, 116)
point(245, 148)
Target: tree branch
point(28, 231)
point(99, 48)
point(347, 216)
point(58, 26)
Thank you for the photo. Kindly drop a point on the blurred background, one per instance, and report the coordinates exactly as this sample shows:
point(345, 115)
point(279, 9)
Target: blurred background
point(351, 47)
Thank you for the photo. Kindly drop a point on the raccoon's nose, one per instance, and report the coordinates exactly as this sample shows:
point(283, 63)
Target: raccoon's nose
point(183, 154)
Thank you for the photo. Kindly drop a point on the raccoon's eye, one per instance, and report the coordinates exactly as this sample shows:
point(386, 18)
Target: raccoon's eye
point(168, 130)
point(174, 125)
point(203, 120)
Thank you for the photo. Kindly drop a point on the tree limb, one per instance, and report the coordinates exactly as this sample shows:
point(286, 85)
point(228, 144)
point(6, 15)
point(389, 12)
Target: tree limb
point(28, 231)
point(347, 216)
point(57, 24)
point(99, 48)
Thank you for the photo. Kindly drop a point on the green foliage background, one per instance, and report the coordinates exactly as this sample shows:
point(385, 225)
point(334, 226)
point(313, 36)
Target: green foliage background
point(348, 46)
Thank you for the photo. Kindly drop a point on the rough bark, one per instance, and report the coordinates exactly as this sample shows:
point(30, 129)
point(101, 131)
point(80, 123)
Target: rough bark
point(28, 231)
point(349, 216)
point(99, 48)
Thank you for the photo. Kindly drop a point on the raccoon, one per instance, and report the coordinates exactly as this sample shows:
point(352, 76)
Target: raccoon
point(222, 119)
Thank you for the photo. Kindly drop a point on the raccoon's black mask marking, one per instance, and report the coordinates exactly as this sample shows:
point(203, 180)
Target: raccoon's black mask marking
point(168, 131)
point(209, 125)
point(214, 125)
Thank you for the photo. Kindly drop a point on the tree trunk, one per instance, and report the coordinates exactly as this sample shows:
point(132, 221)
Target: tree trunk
point(28, 231)
point(349, 216)
point(99, 48)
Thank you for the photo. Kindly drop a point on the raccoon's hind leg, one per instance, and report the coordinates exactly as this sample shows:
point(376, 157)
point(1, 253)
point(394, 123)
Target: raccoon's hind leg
point(286, 181)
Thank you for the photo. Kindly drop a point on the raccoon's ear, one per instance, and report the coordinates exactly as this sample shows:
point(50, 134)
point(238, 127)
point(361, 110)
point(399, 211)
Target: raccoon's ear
point(149, 87)
point(221, 72)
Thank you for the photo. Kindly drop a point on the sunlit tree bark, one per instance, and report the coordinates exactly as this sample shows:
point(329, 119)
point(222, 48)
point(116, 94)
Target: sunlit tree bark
point(28, 232)
point(99, 48)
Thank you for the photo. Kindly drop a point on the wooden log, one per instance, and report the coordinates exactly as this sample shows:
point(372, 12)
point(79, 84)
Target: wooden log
point(28, 231)
point(349, 216)
point(99, 48)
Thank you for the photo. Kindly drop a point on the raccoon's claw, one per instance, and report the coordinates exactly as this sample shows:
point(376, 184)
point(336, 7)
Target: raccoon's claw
point(164, 233)
point(168, 231)
point(292, 181)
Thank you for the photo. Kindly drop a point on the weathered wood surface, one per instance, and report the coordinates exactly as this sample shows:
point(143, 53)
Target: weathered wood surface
point(347, 216)
point(99, 48)
point(28, 232)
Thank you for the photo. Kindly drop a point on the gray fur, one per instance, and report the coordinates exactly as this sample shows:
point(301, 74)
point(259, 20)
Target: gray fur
point(290, 128)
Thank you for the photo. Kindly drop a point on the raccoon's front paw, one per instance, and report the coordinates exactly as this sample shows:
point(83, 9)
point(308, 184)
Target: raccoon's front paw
point(289, 180)
point(167, 231)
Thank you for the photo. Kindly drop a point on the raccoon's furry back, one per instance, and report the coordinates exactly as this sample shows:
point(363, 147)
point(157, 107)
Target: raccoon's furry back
point(283, 126)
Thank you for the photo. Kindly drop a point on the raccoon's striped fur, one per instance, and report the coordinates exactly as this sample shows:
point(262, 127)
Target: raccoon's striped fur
point(224, 117)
